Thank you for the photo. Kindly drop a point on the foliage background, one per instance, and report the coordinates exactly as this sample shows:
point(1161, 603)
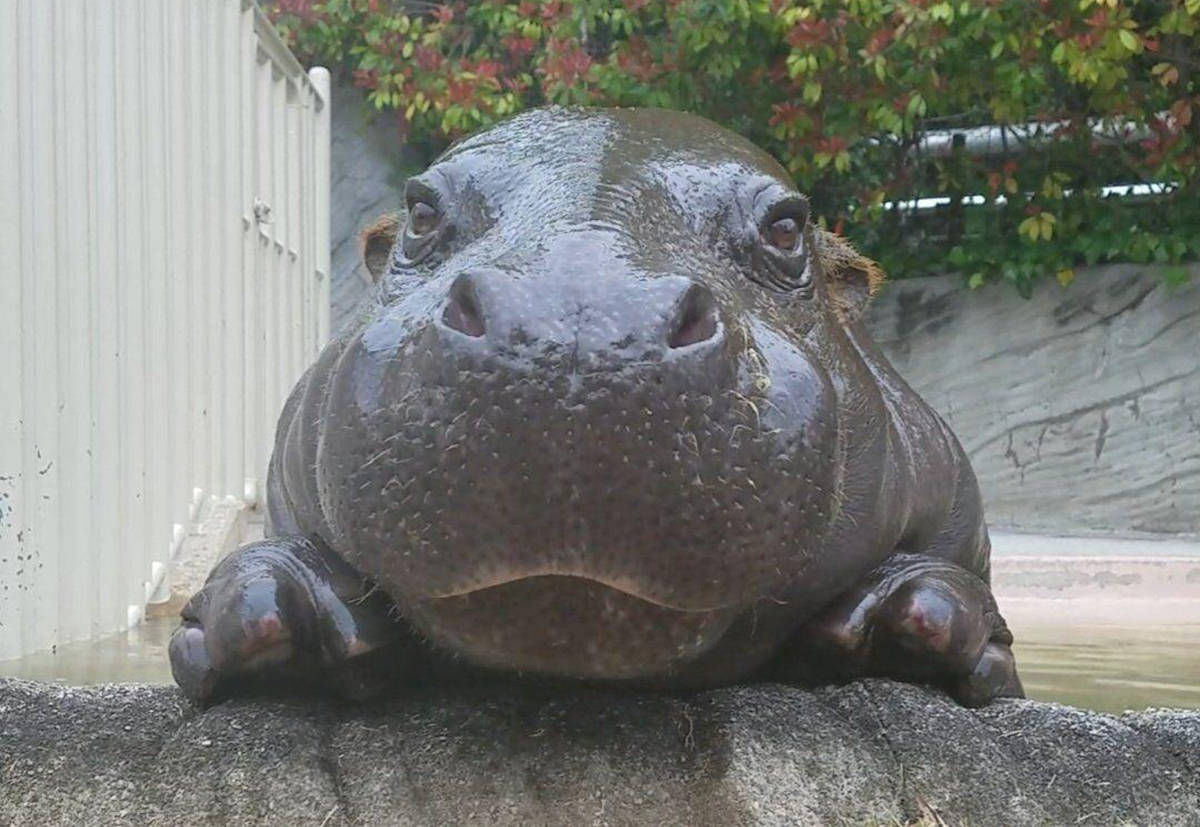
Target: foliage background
point(841, 92)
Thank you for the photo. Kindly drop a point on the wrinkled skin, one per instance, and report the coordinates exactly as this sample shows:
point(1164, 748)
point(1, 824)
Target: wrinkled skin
point(611, 417)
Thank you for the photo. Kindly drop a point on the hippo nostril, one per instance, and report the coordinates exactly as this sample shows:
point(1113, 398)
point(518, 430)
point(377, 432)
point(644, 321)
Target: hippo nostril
point(462, 311)
point(695, 320)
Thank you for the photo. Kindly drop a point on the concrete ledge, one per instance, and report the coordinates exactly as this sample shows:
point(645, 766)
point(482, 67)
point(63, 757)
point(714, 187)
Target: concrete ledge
point(874, 752)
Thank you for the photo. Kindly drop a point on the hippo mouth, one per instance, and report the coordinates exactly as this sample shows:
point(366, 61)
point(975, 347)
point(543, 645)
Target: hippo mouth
point(551, 576)
point(571, 625)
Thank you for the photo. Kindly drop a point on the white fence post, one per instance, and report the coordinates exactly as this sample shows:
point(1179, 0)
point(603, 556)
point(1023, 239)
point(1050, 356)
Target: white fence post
point(322, 173)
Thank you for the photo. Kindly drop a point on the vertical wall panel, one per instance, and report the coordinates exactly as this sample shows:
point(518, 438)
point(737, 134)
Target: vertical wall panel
point(212, 276)
point(175, 141)
point(103, 270)
point(154, 194)
point(198, 251)
point(292, 288)
point(12, 308)
point(265, 260)
point(321, 192)
point(131, 343)
point(233, 377)
point(157, 318)
point(253, 354)
point(308, 265)
point(36, 574)
point(76, 581)
point(276, 198)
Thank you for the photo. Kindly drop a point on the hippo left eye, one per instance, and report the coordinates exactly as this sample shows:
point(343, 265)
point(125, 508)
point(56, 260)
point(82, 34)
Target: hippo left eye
point(427, 221)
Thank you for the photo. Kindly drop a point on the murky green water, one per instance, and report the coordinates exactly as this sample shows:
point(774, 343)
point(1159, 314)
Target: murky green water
point(1111, 668)
point(1108, 668)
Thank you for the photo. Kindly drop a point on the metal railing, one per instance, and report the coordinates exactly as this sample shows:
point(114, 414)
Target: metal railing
point(164, 260)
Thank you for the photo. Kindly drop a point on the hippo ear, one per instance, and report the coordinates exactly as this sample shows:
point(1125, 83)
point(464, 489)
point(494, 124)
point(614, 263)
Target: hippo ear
point(853, 278)
point(377, 241)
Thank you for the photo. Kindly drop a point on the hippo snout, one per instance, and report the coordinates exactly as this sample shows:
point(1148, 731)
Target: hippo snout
point(695, 318)
point(489, 310)
point(463, 312)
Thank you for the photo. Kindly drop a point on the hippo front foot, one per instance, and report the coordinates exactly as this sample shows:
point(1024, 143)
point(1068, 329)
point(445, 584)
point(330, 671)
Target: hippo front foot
point(914, 618)
point(284, 612)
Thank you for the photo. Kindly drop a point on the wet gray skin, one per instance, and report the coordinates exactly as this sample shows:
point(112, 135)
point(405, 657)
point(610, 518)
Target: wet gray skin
point(612, 417)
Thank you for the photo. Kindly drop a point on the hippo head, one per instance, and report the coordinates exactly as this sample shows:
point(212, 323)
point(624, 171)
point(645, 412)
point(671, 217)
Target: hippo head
point(597, 411)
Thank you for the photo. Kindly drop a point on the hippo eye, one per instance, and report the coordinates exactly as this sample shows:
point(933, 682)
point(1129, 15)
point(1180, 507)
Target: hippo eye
point(422, 218)
point(779, 259)
point(784, 234)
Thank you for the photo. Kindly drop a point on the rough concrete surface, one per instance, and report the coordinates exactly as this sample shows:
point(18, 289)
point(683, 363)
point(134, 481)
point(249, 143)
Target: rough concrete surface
point(1080, 408)
point(873, 752)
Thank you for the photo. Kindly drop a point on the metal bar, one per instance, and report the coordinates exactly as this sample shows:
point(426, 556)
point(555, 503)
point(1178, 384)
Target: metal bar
point(1112, 191)
point(996, 139)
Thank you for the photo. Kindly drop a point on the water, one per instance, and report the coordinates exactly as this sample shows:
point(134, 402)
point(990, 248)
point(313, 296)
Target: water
point(1103, 666)
point(136, 656)
point(1111, 668)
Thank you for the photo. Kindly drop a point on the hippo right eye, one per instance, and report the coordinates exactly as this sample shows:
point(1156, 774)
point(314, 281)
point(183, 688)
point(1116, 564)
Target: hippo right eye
point(784, 234)
point(422, 218)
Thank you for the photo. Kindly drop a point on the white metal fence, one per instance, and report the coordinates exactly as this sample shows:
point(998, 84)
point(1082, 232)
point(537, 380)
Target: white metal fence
point(164, 258)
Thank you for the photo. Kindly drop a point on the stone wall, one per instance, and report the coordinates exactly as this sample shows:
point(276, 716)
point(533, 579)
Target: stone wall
point(1080, 408)
point(369, 162)
point(871, 753)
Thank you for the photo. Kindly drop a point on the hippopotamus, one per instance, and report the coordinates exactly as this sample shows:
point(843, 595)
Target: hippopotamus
point(611, 416)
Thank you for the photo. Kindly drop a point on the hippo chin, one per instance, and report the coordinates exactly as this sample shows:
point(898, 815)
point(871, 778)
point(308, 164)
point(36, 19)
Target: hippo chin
point(611, 415)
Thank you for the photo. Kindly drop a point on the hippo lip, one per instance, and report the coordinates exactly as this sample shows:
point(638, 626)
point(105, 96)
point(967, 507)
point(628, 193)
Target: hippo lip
point(625, 585)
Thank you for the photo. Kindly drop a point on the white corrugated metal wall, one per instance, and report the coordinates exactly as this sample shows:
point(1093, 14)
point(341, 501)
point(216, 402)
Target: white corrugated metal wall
point(164, 257)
